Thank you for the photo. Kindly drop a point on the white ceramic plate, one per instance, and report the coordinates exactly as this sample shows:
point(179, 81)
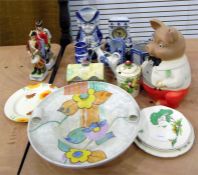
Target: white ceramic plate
point(84, 124)
point(20, 105)
point(168, 154)
point(164, 128)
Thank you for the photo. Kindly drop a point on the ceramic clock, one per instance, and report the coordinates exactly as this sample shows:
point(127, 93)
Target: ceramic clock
point(118, 27)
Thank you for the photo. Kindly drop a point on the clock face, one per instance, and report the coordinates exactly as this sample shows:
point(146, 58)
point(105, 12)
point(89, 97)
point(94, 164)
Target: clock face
point(119, 32)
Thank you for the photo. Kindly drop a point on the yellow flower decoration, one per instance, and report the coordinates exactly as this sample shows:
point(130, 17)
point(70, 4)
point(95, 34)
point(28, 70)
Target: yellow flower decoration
point(33, 86)
point(21, 119)
point(85, 100)
point(44, 94)
point(77, 155)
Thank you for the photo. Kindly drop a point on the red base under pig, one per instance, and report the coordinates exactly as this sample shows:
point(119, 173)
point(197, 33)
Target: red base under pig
point(166, 97)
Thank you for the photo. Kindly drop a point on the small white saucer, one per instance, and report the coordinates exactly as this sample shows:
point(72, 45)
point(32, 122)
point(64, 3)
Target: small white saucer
point(164, 128)
point(168, 153)
point(20, 105)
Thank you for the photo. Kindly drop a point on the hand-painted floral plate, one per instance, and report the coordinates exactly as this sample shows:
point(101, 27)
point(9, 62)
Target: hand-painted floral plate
point(20, 105)
point(168, 153)
point(84, 124)
point(164, 128)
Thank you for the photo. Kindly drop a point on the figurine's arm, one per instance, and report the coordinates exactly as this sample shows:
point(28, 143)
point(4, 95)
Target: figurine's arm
point(49, 35)
point(175, 79)
point(144, 64)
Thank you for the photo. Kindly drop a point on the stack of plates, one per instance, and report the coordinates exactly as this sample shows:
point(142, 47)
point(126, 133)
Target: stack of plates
point(20, 105)
point(165, 132)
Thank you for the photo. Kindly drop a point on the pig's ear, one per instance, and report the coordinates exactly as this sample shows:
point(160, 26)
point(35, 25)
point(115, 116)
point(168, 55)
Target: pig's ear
point(155, 23)
point(172, 35)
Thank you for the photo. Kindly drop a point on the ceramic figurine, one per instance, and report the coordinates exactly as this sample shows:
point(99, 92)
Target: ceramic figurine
point(138, 53)
point(89, 32)
point(34, 49)
point(166, 75)
point(44, 37)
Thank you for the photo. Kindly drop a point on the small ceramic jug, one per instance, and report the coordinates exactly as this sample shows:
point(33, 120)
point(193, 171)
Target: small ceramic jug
point(128, 76)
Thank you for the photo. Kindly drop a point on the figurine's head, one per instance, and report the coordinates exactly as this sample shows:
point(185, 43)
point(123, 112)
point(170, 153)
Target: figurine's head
point(39, 25)
point(167, 44)
point(32, 34)
point(87, 18)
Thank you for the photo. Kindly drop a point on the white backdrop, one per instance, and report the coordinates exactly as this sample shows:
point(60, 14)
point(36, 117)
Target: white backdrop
point(182, 14)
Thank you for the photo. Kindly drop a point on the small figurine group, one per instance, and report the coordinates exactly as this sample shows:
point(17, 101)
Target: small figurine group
point(39, 48)
point(166, 74)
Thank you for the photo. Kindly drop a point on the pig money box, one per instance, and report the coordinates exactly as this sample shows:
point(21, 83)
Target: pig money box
point(166, 74)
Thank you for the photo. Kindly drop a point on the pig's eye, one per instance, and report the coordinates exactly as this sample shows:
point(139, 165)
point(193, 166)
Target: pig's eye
point(161, 45)
point(151, 39)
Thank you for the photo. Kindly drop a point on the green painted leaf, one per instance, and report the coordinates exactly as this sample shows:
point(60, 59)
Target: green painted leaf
point(63, 146)
point(177, 127)
point(173, 141)
point(129, 90)
point(141, 131)
point(163, 112)
point(105, 138)
point(168, 118)
point(76, 136)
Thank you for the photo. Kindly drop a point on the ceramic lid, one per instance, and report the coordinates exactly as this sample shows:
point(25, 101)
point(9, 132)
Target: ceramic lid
point(164, 128)
point(128, 69)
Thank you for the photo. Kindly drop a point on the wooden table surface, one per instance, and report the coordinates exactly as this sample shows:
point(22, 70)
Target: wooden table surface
point(132, 161)
point(15, 68)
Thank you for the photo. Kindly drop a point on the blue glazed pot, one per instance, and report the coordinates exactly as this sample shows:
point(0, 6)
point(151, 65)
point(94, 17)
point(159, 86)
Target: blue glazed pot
point(81, 58)
point(80, 48)
point(81, 52)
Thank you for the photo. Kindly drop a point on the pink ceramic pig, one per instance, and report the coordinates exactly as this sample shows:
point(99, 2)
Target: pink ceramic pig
point(166, 74)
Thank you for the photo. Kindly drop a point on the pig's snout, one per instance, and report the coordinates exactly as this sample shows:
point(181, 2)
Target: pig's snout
point(147, 48)
point(150, 49)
